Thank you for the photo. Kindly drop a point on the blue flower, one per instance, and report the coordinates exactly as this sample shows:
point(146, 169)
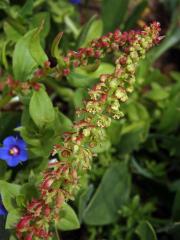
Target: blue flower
point(14, 150)
point(75, 1)
point(3, 211)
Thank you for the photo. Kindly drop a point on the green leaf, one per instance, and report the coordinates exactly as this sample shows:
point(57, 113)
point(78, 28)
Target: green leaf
point(111, 194)
point(83, 200)
point(145, 231)
point(3, 55)
point(65, 123)
point(135, 15)
point(157, 93)
point(41, 108)
point(92, 30)
point(82, 78)
point(27, 9)
point(68, 219)
point(113, 13)
point(11, 33)
point(23, 62)
point(140, 170)
point(37, 20)
point(55, 52)
point(35, 48)
point(175, 75)
point(12, 219)
point(103, 145)
point(133, 135)
point(171, 115)
point(9, 191)
point(29, 191)
point(12, 238)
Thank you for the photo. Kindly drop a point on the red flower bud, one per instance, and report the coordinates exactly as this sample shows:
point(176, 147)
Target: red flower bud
point(47, 183)
point(24, 222)
point(47, 211)
point(47, 64)
point(29, 236)
point(66, 71)
point(39, 73)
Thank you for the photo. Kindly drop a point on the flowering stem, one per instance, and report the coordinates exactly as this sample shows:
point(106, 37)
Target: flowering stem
point(61, 179)
point(57, 234)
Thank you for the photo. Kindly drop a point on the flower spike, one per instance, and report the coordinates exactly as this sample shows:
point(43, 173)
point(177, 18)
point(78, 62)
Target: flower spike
point(61, 180)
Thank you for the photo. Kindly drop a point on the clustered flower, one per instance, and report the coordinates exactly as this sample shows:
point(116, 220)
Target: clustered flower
point(60, 180)
point(16, 86)
point(14, 151)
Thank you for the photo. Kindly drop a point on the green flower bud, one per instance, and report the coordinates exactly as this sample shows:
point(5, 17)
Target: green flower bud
point(93, 107)
point(113, 83)
point(86, 132)
point(121, 94)
point(115, 105)
point(131, 68)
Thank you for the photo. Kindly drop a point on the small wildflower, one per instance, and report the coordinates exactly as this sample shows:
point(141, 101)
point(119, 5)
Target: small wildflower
point(3, 211)
point(14, 151)
point(75, 1)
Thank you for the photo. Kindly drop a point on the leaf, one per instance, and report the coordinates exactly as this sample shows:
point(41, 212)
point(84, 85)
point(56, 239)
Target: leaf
point(175, 75)
point(23, 62)
point(157, 93)
point(145, 231)
point(41, 108)
point(111, 194)
point(140, 170)
point(68, 219)
point(113, 13)
point(8, 193)
point(93, 29)
point(83, 200)
point(115, 127)
point(133, 135)
point(27, 9)
point(103, 145)
point(11, 33)
point(36, 22)
point(3, 55)
point(79, 95)
point(82, 78)
point(29, 191)
point(35, 48)
point(12, 238)
point(135, 15)
point(65, 122)
point(171, 115)
point(12, 219)
point(4, 4)
point(55, 52)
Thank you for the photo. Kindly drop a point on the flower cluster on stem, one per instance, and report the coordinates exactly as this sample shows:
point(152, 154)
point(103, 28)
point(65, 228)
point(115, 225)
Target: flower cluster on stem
point(60, 180)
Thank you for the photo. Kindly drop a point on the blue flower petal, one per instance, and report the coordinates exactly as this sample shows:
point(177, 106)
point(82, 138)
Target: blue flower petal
point(13, 162)
point(23, 156)
point(21, 143)
point(4, 154)
point(75, 1)
point(9, 141)
point(3, 211)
